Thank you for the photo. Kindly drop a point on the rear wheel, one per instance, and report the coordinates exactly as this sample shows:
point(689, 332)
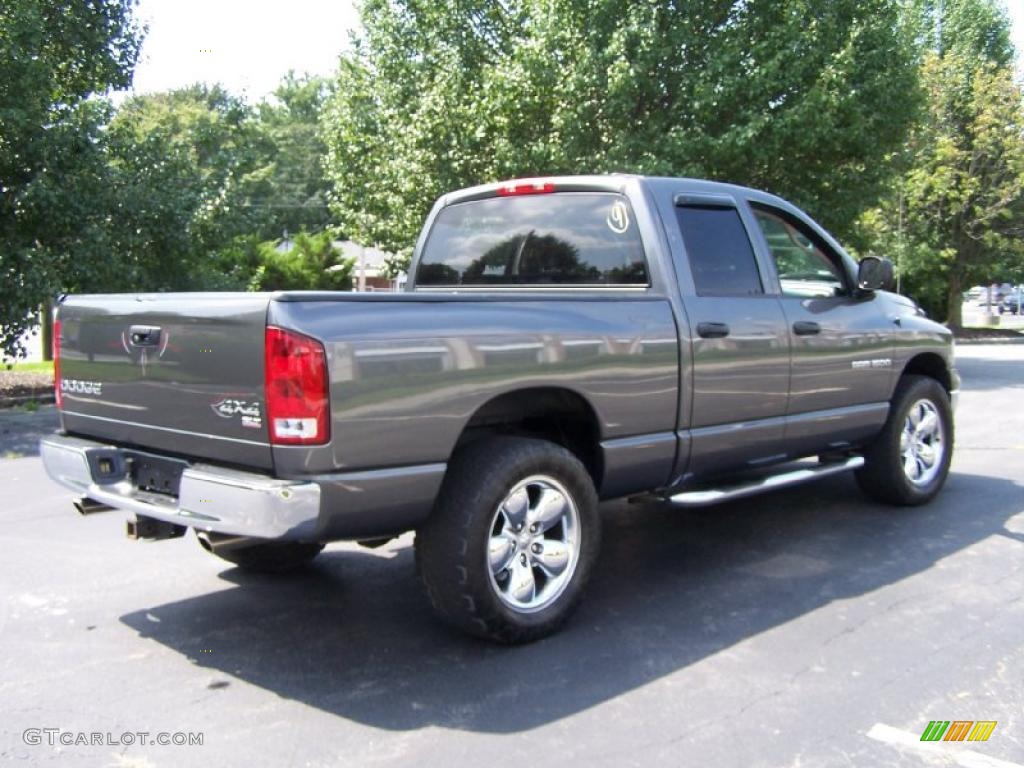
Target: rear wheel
point(512, 539)
point(260, 556)
point(908, 462)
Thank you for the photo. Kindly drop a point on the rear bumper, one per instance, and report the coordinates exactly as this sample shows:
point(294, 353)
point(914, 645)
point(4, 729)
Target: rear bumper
point(326, 507)
point(210, 498)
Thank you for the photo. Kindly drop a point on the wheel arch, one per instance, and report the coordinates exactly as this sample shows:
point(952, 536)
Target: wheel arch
point(559, 414)
point(932, 365)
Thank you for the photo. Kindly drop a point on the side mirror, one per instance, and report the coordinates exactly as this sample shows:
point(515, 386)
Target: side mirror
point(874, 274)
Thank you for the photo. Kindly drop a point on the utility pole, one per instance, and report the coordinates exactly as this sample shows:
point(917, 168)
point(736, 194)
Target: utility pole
point(362, 269)
point(899, 247)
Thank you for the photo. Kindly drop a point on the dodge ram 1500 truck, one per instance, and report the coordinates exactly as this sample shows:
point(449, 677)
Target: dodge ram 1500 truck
point(561, 340)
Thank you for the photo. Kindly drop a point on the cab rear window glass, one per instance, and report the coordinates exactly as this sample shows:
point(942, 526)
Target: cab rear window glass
point(564, 238)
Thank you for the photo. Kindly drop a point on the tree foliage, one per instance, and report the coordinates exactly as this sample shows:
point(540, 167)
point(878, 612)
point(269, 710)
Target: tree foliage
point(962, 28)
point(310, 263)
point(186, 165)
point(171, 191)
point(296, 195)
point(55, 55)
point(955, 215)
point(206, 178)
point(804, 97)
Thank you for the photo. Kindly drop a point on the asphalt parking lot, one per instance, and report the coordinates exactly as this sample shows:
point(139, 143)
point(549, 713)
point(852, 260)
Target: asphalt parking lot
point(809, 627)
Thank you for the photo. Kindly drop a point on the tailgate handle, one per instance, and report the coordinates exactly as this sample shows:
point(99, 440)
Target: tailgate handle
point(144, 335)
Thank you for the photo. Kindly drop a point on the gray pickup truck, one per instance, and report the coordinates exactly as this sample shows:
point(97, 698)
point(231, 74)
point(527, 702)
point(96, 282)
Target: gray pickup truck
point(561, 341)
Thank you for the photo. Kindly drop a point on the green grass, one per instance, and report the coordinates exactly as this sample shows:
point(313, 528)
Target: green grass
point(27, 367)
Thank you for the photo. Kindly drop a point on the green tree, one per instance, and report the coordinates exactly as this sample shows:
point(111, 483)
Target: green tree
point(186, 167)
point(311, 263)
point(805, 97)
point(955, 214)
point(973, 28)
point(56, 56)
point(296, 185)
point(204, 179)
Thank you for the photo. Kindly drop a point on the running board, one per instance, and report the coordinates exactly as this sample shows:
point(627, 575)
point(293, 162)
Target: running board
point(703, 498)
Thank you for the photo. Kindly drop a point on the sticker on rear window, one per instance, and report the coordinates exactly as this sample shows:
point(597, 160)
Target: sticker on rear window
point(618, 217)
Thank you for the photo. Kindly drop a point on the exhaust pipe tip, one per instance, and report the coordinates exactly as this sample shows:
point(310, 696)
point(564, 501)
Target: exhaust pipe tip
point(217, 543)
point(86, 506)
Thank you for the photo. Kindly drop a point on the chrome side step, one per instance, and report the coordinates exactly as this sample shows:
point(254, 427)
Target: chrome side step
point(702, 498)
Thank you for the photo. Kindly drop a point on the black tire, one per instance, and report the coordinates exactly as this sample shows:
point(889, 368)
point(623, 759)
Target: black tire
point(452, 546)
point(883, 476)
point(262, 557)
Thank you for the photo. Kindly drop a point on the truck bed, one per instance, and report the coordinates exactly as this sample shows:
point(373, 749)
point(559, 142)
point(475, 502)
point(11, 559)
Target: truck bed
point(406, 371)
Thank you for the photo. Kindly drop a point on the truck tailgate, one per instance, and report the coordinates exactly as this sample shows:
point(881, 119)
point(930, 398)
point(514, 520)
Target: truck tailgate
point(180, 373)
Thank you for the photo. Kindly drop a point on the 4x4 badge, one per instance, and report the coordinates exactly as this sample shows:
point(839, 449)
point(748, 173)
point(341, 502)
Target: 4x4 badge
point(249, 410)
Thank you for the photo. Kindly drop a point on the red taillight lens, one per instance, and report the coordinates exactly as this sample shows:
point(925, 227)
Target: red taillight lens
point(58, 395)
point(532, 188)
point(295, 377)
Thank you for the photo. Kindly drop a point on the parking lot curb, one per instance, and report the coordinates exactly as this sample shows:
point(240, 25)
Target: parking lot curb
point(43, 396)
point(970, 342)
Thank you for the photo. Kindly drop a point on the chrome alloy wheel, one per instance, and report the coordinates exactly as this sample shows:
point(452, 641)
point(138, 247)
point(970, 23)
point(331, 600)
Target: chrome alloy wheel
point(922, 443)
point(534, 544)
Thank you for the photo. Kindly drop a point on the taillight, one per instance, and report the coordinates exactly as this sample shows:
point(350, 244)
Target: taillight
point(58, 395)
point(531, 188)
point(295, 377)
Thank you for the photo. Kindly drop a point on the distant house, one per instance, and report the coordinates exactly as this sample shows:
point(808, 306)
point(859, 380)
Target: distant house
point(368, 273)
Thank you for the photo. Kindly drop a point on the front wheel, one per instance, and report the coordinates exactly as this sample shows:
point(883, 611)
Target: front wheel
point(512, 539)
point(908, 462)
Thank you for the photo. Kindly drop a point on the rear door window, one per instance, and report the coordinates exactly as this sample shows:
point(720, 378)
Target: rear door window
point(721, 256)
point(563, 238)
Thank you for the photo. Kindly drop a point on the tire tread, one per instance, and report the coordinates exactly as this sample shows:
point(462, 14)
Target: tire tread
point(444, 546)
point(882, 476)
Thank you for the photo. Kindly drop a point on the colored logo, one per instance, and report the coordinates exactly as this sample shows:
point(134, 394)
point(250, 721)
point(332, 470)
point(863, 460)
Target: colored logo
point(958, 730)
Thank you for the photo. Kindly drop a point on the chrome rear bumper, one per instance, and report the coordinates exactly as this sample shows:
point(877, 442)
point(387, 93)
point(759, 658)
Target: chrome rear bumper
point(210, 498)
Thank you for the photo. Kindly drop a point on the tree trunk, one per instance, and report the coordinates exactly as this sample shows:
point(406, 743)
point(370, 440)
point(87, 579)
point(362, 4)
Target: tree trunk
point(46, 321)
point(955, 301)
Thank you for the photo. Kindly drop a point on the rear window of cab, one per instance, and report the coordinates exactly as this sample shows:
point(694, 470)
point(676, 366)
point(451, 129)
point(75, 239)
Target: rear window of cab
point(566, 238)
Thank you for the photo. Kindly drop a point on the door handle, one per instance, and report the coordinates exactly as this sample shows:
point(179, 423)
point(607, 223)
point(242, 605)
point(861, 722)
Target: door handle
point(144, 335)
point(806, 328)
point(712, 330)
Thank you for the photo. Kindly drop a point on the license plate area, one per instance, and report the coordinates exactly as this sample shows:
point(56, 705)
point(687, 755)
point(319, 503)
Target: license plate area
point(155, 474)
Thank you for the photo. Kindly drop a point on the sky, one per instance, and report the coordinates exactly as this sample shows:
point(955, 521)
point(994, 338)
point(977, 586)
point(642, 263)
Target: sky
point(249, 46)
point(246, 46)
point(1016, 9)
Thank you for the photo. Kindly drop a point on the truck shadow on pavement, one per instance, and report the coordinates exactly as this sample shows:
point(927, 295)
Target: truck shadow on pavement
point(353, 636)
